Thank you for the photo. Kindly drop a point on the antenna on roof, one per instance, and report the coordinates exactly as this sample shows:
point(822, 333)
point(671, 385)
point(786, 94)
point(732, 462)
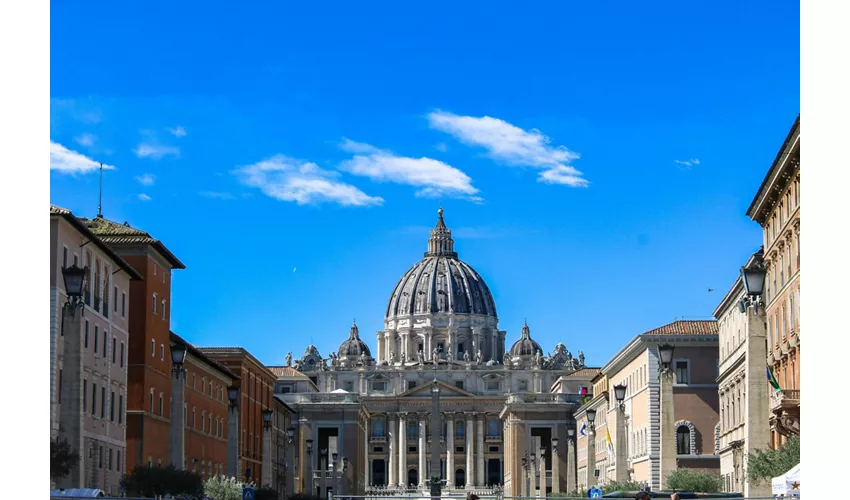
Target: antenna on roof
point(100, 194)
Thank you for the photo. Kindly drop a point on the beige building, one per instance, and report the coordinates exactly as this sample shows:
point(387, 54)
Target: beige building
point(776, 207)
point(105, 343)
point(742, 388)
point(637, 366)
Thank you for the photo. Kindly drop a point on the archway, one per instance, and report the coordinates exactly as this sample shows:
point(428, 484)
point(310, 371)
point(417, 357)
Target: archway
point(494, 472)
point(460, 478)
point(412, 477)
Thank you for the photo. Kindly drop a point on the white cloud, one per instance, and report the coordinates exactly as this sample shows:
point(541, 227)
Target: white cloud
point(216, 195)
point(287, 179)
point(511, 145)
point(178, 131)
point(146, 179)
point(441, 146)
point(433, 177)
point(86, 139)
point(149, 150)
point(687, 163)
point(66, 161)
point(144, 197)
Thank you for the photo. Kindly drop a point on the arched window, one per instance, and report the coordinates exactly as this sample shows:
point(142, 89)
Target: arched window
point(683, 440)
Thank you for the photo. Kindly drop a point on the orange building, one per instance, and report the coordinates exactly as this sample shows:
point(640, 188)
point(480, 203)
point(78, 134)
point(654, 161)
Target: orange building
point(204, 411)
point(776, 207)
point(256, 392)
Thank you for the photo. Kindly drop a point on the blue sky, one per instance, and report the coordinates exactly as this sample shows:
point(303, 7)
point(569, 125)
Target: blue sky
point(595, 160)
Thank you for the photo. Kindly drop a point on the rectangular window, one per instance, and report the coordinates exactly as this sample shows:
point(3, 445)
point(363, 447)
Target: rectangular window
point(115, 299)
point(682, 372)
point(59, 392)
point(114, 342)
point(379, 386)
point(163, 309)
point(120, 408)
point(64, 257)
point(85, 394)
point(95, 339)
point(160, 404)
point(123, 304)
point(105, 340)
point(492, 385)
point(103, 402)
point(459, 384)
point(411, 384)
point(121, 362)
point(93, 399)
point(110, 458)
point(118, 462)
point(100, 457)
point(150, 402)
point(162, 352)
point(154, 303)
point(86, 342)
point(153, 348)
point(112, 406)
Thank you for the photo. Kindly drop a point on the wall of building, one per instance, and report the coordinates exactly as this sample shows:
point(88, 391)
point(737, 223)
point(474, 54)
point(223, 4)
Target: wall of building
point(205, 434)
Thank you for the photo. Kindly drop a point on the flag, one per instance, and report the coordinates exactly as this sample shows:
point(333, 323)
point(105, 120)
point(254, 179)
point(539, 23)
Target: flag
point(582, 391)
point(772, 381)
point(608, 443)
point(583, 430)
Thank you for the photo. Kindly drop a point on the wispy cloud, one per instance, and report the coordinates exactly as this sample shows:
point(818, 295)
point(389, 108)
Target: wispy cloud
point(216, 195)
point(66, 161)
point(511, 145)
point(687, 163)
point(85, 139)
point(288, 179)
point(155, 151)
point(146, 179)
point(433, 177)
point(177, 131)
point(441, 147)
point(144, 197)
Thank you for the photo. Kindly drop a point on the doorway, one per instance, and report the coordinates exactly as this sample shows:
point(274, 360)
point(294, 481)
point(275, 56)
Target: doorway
point(494, 472)
point(412, 477)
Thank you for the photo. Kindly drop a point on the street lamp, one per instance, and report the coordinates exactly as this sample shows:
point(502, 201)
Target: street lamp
point(665, 353)
point(753, 277)
point(75, 283)
point(620, 395)
point(176, 425)
point(554, 444)
point(178, 356)
point(267, 418)
point(233, 396)
point(621, 453)
point(591, 417)
point(290, 435)
point(309, 443)
point(233, 431)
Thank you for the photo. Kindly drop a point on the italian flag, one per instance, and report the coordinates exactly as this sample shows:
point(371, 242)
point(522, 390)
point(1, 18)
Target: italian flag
point(772, 381)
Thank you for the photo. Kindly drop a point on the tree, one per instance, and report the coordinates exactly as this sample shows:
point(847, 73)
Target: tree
point(764, 465)
point(613, 486)
point(223, 488)
point(154, 481)
point(62, 459)
point(695, 481)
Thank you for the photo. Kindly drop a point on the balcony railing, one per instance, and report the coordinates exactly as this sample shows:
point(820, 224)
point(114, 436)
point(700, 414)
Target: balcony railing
point(785, 400)
point(320, 397)
point(378, 439)
point(493, 439)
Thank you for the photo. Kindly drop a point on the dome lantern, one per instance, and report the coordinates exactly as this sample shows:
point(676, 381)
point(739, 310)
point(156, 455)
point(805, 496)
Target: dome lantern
point(441, 244)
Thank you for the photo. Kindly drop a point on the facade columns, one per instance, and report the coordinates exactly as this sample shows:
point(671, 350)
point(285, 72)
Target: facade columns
point(392, 461)
point(470, 460)
point(402, 450)
point(480, 438)
point(450, 450)
point(71, 394)
point(423, 431)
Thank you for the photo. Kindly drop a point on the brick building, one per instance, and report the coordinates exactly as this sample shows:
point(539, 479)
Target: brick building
point(776, 207)
point(204, 411)
point(105, 318)
point(256, 393)
point(695, 402)
point(149, 361)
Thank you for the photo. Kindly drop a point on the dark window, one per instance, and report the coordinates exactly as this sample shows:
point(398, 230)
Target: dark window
point(682, 372)
point(123, 304)
point(378, 428)
point(411, 384)
point(122, 355)
point(100, 457)
point(441, 348)
point(86, 342)
point(115, 300)
point(103, 402)
point(459, 431)
point(112, 407)
point(104, 344)
point(420, 347)
point(412, 431)
point(95, 339)
point(459, 384)
point(120, 414)
point(85, 395)
point(64, 258)
point(110, 458)
point(493, 427)
point(93, 399)
point(114, 341)
point(683, 440)
point(460, 350)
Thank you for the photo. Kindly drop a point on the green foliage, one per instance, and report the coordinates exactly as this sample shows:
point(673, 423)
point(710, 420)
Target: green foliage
point(223, 488)
point(265, 493)
point(764, 465)
point(624, 486)
point(62, 459)
point(153, 481)
point(695, 481)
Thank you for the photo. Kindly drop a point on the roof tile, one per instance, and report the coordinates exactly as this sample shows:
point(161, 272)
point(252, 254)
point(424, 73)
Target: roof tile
point(686, 327)
point(285, 371)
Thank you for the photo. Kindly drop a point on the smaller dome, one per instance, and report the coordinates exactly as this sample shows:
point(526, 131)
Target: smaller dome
point(525, 346)
point(353, 347)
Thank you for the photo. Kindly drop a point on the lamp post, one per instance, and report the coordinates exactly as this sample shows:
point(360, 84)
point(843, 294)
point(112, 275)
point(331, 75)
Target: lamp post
point(344, 477)
point(323, 469)
point(233, 462)
point(176, 426)
point(334, 479)
point(572, 471)
point(556, 465)
point(527, 475)
point(70, 388)
point(436, 480)
point(668, 417)
point(267, 447)
point(591, 447)
point(621, 473)
point(753, 277)
point(290, 439)
point(541, 472)
point(309, 444)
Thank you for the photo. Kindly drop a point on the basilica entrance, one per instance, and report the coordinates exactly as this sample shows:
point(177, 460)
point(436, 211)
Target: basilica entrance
point(379, 472)
point(460, 478)
point(494, 472)
point(412, 477)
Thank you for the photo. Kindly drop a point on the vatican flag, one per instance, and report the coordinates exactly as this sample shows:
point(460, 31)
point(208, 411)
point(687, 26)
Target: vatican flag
point(608, 443)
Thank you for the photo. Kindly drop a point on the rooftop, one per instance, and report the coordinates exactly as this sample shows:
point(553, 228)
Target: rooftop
point(285, 371)
point(197, 352)
point(686, 327)
point(114, 233)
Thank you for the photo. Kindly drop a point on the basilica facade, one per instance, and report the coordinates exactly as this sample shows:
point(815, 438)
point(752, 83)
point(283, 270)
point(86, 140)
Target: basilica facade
point(364, 416)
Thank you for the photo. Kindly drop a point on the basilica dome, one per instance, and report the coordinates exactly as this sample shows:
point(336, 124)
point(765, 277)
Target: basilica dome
point(353, 346)
point(441, 283)
point(525, 346)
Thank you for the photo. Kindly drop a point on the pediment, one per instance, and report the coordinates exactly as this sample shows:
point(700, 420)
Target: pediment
point(446, 390)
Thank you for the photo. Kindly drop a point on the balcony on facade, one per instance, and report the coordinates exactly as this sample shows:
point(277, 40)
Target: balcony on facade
point(785, 412)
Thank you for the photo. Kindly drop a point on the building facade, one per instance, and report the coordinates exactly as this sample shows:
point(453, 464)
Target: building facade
point(695, 404)
point(776, 207)
point(205, 411)
point(742, 388)
point(256, 393)
point(149, 361)
point(105, 319)
point(283, 446)
point(496, 405)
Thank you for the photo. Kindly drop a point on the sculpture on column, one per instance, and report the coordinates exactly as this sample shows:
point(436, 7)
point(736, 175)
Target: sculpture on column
point(363, 360)
point(466, 356)
point(289, 359)
point(435, 356)
point(420, 357)
point(506, 359)
point(581, 359)
point(392, 358)
point(538, 358)
point(478, 357)
point(403, 357)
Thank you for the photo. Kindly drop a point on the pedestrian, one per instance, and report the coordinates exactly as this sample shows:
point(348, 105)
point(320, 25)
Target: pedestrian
point(472, 496)
point(674, 496)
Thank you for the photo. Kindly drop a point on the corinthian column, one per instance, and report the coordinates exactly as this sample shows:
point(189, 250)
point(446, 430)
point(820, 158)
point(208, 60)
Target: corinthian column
point(450, 450)
point(470, 460)
point(480, 438)
point(391, 441)
point(422, 444)
point(402, 450)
